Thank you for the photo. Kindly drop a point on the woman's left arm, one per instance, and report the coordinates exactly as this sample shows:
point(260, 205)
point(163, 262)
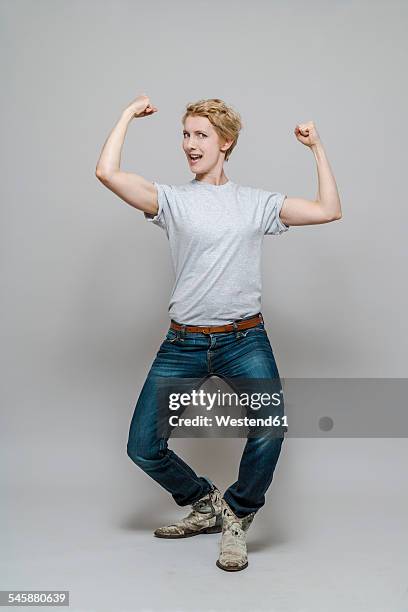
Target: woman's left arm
point(326, 208)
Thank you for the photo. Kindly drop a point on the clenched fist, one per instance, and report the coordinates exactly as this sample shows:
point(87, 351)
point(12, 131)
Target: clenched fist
point(307, 134)
point(141, 107)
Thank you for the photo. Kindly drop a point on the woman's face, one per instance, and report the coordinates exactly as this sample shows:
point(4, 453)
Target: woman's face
point(200, 138)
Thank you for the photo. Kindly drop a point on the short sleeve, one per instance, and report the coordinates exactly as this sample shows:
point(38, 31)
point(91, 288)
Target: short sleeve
point(272, 203)
point(163, 214)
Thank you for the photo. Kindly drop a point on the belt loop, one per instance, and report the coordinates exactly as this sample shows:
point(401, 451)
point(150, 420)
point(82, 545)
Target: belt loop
point(261, 317)
point(182, 331)
point(238, 333)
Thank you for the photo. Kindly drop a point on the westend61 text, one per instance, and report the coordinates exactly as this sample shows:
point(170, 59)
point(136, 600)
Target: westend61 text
point(227, 421)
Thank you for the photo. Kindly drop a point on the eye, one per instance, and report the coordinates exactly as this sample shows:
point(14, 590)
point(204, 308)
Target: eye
point(201, 134)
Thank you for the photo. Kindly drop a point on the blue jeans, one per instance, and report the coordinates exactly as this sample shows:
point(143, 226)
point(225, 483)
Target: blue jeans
point(244, 353)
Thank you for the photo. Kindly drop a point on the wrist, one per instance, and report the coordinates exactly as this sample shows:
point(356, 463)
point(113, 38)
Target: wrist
point(317, 146)
point(127, 115)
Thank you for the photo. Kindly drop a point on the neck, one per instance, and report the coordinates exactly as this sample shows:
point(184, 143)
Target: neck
point(212, 178)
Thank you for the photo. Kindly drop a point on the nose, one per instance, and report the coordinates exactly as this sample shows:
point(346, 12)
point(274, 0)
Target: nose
point(191, 146)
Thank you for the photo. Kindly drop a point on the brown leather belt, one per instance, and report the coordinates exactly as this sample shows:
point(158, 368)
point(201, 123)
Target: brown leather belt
point(212, 329)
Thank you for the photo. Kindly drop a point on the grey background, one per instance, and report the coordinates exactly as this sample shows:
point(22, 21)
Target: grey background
point(86, 281)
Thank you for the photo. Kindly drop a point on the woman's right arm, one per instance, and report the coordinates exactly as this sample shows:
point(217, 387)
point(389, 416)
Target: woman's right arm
point(130, 187)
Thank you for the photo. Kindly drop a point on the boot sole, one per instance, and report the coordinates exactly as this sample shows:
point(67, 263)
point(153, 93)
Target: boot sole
point(231, 569)
point(215, 529)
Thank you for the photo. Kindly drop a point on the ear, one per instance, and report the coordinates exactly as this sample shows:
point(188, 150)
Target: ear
point(226, 145)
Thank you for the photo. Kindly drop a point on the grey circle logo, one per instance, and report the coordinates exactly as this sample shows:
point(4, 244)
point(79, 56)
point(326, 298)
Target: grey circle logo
point(326, 423)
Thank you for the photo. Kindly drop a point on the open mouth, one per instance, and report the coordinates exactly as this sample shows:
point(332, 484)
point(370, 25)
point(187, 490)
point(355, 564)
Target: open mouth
point(194, 158)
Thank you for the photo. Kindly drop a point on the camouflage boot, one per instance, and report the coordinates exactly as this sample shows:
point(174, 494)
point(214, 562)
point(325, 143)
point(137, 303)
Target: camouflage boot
point(205, 517)
point(233, 550)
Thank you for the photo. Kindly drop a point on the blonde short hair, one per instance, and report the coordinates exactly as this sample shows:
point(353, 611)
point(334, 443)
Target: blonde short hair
point(225, 120)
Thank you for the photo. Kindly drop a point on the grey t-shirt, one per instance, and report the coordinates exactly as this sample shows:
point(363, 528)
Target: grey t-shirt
point(215, 234)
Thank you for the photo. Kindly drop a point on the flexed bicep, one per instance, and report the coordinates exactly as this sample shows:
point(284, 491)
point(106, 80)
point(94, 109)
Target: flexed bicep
point(132, 189)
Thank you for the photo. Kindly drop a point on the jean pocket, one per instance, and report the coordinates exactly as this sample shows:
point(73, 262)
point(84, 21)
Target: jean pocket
point(254, 331)
point(171, 335)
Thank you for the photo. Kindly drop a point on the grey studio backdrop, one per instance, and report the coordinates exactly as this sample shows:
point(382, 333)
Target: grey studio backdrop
point(86, 282)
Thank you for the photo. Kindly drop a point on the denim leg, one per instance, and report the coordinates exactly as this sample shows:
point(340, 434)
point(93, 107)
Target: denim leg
point(179, 358)
point(251, 356)
point(255, 475)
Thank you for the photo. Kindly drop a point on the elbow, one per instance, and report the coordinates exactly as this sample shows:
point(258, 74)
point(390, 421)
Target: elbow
point(336, 217)
point(102, 175)
point(331, 216)
point(99, 173)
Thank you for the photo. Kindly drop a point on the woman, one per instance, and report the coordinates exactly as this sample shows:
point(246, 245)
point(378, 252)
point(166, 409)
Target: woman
point(215, 229)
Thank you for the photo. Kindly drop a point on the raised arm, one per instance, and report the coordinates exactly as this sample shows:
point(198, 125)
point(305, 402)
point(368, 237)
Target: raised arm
point(326, 207)
point(132, 188)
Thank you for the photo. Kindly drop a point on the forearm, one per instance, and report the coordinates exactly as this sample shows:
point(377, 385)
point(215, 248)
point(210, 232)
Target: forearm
point(109, 160)
point(327, 193)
